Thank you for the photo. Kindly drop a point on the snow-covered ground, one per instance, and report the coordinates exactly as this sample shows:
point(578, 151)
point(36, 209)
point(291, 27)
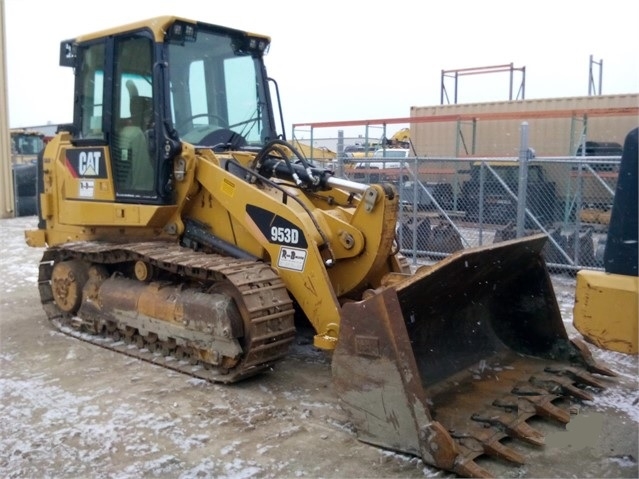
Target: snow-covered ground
point(73, 410)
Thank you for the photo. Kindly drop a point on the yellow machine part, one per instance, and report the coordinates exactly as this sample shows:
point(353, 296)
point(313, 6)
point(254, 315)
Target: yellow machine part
point(595, 215)
point(606, 310)
point(402, 135)
point(314, 152)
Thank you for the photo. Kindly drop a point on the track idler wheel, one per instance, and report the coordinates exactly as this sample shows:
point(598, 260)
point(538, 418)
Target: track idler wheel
point(67, 280)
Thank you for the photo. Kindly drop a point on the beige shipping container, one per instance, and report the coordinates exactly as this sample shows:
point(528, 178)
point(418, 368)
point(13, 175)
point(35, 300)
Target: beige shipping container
point(556, 125)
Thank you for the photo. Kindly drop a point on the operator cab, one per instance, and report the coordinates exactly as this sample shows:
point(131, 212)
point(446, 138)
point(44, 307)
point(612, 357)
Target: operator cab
point(143, 91)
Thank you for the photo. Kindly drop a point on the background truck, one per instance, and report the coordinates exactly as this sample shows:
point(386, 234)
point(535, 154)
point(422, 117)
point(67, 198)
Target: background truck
point(494, 186)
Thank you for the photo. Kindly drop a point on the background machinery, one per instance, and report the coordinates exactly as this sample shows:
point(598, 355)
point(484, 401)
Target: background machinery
point(176, 219)
point(606, 301)
point(25, 146)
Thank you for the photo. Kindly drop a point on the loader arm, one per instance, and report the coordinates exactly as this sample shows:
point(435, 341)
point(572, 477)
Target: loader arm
point(322, 255)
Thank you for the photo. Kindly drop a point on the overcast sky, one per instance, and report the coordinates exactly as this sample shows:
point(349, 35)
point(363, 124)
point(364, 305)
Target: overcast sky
point(351, 59)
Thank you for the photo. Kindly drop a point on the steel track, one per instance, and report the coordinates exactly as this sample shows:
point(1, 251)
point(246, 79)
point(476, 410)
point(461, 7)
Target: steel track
point(267, 308)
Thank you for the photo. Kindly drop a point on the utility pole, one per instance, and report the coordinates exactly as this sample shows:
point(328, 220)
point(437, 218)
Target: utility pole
point(6, 175)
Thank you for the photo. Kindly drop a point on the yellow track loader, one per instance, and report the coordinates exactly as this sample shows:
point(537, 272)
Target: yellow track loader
point(179, 224)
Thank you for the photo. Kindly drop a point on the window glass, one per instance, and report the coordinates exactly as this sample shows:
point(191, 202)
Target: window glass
point(27, 144)
point(242, 100)
point(133, 152)
point(91, 100)
point(215, 92)
point(197, 93)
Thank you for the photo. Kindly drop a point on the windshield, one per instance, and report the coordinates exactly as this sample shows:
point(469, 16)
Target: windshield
point(27, 144)
point(391, 153)
point(218, 93)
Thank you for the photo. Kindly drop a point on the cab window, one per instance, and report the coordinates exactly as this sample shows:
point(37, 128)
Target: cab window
point(91, 79)
point(133, 152)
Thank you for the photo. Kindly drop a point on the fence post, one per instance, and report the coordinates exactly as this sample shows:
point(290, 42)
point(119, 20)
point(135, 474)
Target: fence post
point(414, 212)
point(480, 211)
point(340, 153)
point(579, 198)
point(524, 156)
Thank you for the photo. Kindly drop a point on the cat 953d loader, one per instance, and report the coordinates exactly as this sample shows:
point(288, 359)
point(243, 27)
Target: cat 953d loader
point(177, 219)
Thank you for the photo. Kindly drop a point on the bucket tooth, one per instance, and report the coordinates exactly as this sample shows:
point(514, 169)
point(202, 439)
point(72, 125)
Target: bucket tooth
point(469, 448)
point(562, 386)
point(577, 376)
point(486, 440)
point(497, 449)
point(591, 365)
point(550, 385)
point(540, 401)
point(470, 468)
point(544, 407)
point(577, 392)
point(540, 405)
point(508, 403)
point(528, 389)
point(588, 379)
point(527, 433)
point(517, 428)
point(479, 440)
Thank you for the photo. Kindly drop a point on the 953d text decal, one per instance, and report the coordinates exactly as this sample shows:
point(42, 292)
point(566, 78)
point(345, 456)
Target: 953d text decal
point(276, 229)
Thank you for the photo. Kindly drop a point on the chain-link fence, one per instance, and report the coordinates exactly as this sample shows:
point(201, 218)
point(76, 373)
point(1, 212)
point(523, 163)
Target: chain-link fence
point(452, 203)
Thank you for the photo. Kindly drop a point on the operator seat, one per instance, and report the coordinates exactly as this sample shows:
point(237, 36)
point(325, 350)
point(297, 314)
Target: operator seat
point(134, 147)
point(141, 111)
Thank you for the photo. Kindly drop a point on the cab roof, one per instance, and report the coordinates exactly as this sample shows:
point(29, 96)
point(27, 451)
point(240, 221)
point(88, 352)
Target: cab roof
point(157, 25)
